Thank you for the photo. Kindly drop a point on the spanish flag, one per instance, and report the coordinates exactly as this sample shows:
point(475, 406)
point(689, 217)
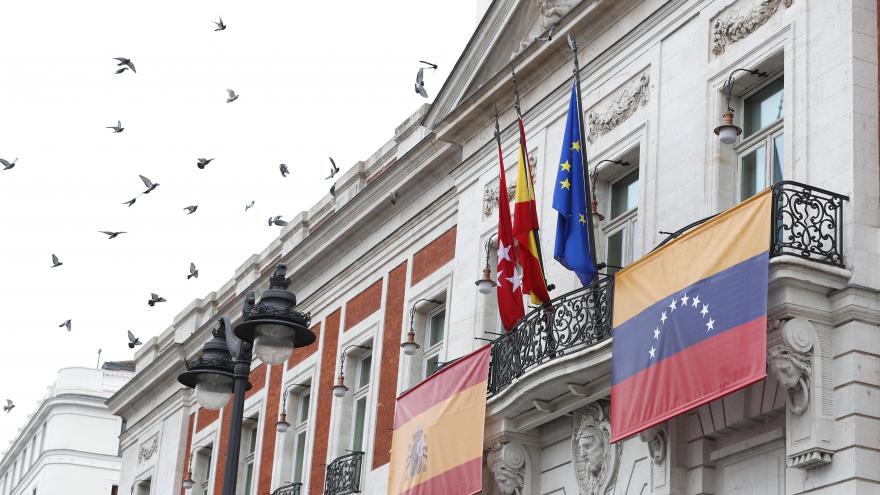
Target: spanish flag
point(690, 319)
point(525, 228)
point(437, 444)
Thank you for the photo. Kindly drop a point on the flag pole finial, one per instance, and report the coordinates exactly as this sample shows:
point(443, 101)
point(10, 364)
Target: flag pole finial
point(515, 93)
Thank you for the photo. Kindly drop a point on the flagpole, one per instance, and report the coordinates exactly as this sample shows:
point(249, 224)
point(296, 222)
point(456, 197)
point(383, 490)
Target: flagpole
point(572, 43)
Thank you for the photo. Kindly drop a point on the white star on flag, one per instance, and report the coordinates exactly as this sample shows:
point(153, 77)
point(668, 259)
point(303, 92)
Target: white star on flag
point(672, 305)
point(503, 252)
point(657, 333)
point(663, 317)
point(710, 325)
point(652, 351)
point(515, 280)
point(696, 301)
point(705, 310)
point(684, 300)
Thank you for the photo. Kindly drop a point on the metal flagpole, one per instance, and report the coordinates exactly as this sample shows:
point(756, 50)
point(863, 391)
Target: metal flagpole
point(572, 43)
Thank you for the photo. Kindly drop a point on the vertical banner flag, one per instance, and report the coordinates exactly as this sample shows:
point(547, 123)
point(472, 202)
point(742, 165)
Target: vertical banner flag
point(510, 303)
point(525, 227)
point(690, 319)
point(572, 248)
point(437, 444)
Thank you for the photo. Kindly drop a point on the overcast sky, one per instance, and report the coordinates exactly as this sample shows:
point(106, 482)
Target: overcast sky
point(315, 79)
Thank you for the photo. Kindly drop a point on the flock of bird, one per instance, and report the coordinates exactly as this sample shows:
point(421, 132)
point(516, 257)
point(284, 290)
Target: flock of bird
point(126, 64)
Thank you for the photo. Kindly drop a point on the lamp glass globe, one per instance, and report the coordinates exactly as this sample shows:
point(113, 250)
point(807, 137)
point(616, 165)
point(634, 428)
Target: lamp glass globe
point(273, 344)
point(409, 348)
point(484, 286)
point(727, 134)
point(213, 390)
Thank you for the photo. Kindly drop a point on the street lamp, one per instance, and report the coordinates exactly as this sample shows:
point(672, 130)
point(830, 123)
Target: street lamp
point(410, 346)
point(273, 328)
point(727, 131)
point(485, 283)
point(188, 481)
point(339, 389)
point(281, 426)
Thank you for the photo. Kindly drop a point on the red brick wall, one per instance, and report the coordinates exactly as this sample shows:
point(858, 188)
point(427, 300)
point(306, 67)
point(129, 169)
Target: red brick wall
point(267, 452)
point(301, 353)
point(205, 417)
point(257, 379)
point(431, 257)
point(186, 451)
point(390, 358)
point(363, 305)
point(325, 403)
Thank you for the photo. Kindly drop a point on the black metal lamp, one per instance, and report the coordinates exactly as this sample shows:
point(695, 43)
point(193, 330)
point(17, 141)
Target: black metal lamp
point(211, 374)
point(485, 284)
point(281, 426)
point(272, 325)
point(339, 389)
point(410, 346)
point(727, 132)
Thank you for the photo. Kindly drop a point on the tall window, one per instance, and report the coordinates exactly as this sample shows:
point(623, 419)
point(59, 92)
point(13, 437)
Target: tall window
point(361, 397)
point(203, 471)
point(300, 432)
point(250, 451)
point(434, 332)
point(760, 152)
point(623, 221)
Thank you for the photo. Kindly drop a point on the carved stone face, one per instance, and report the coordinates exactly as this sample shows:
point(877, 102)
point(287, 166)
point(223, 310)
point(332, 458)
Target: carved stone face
point(507, 481)
point(657, 448)
point(787, 373)
point(591, 442)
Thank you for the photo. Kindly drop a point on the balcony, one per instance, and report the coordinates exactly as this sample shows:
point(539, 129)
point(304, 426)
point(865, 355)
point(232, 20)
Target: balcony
point(344, 474)
point(807, 223)
point(289, 489)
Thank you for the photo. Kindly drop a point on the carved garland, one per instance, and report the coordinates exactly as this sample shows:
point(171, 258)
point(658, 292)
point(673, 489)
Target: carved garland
point(146, 451)
point(619, 110)
point(490, 193)
point(737, 26)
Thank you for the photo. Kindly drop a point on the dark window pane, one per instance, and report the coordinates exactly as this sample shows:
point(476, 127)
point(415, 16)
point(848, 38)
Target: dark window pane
point(763, 108)
point(625, 194)
point(753, 173)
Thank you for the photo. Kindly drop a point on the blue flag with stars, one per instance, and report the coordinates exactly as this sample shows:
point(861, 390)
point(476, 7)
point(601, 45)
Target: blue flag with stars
point(570, 200)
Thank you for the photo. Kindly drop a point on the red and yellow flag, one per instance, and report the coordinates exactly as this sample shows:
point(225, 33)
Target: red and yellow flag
point(437, 444)
point(525, 228)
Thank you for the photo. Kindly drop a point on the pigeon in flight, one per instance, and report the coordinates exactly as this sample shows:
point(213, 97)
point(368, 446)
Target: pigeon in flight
point(276, 220)
point(394, 196)
point(116, 128)
point(132, 340)
point(193, 271)
point(56, 262)
point(126, 62)
point(154, 298)
point(284, 170)
point(120, 71)
point(429, 65)
point(112, 235)
point(150, 185)
point(249, 205)
point(333, 168)
point(8, 407)
point(191, 209)
point(220, 25)
point(232, 96)
point(65, 324)
point(203, 162)
point(129, 202)
point(420, 83)
point(7, 164)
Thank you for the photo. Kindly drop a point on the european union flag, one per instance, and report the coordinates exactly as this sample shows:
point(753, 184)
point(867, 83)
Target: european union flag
point(570, 200)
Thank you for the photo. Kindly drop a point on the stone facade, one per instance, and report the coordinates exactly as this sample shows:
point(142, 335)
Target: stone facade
point(653, 84)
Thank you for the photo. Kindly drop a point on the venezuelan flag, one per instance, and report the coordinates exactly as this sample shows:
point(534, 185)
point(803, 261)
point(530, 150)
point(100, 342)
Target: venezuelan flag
point(437, 444)
point(690, 319)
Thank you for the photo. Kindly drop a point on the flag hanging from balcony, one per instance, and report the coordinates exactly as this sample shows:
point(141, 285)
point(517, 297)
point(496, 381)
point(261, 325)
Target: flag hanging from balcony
point(690, 319)
point(572, 248)
point(525, 227)
point(510, 302)
point(437, 443)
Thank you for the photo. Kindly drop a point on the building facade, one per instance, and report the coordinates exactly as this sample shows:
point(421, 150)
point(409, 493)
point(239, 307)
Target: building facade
point(655, 85)
point(70, 444)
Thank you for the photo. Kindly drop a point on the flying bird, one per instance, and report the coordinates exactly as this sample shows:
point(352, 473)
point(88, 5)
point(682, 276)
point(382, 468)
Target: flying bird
point(150, 185)
point(232, 96)
point(191, 209)
point(394, 196)
point(284, 170)
point(276, 220)
point(8, 407)
point(420, 83)
point(429, 65)
point(65, 324)
point(120, 71)
point(125, 61)
point(7, 164)
point(333, 168)
point(203, 162)
point(132, 340)
point(154, 298)
point(249, 205)
point(220, 25)
point(56, 262)
point(130, 202)
point(116, 128)
point(193, 271)
point(112, 235)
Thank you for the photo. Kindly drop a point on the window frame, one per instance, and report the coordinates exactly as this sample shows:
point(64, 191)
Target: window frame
point(249, 459)
point(766, 137)
point(626, 222)
point(361, 392)
point(434, 350)
point(301, 427)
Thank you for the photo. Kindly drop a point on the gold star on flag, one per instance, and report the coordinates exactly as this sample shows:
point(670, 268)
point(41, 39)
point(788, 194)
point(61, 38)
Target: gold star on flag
point(566, 184)
point(576, 146)
point(583, 220)
point(565, 166)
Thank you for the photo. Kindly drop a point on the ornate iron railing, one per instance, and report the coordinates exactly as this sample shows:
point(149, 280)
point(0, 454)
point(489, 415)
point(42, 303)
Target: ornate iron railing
point(289, 489)
point(807, 222)
point(572, 322)
point(344, 475)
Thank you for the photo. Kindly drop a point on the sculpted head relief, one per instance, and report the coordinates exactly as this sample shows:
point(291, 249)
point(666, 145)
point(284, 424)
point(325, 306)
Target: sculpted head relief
point(792, 368)
point(595, 459)
point(507, 461)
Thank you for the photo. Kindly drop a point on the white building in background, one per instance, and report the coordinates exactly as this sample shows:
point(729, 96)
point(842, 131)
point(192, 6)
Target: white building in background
point(70, 444)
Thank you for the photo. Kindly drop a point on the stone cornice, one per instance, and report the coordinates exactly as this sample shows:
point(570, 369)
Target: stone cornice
point(181, 398)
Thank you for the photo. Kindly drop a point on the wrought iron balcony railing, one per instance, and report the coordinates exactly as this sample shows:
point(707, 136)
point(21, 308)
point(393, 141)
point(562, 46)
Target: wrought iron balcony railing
point(807, 222)
point(289, 489)
point(344, 474)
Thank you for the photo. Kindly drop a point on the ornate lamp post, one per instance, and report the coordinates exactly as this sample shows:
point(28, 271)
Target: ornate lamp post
point(272, 328)
point(281, 426)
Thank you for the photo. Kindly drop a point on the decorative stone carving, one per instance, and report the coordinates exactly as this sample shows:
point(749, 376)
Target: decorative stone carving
point(656, 439)
point(737, 26)
point(147, 449)
point(620, 109)
point(507, 461)
point(810, 459)
point(790, 361)
point(550, 12)
point(595, 460)
point(490, 193)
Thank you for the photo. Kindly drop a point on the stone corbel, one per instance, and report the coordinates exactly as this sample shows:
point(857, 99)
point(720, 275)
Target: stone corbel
point(736, 26)
point(509, 459)
point(656, 439)
point(621, 108)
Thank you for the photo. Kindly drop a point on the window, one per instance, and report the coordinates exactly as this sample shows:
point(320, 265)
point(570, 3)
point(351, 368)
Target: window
point(250, 445)
point(621, 230)
point(300, 436)
point(434, 333)
point(361, 397)
point(203, 471)
point(761, 150)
